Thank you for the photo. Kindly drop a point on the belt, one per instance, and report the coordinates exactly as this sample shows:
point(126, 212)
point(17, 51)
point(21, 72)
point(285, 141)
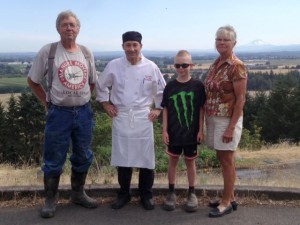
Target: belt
point(69, 107)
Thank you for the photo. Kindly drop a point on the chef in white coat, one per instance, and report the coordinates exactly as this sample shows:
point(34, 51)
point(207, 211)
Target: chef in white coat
point(127, 89)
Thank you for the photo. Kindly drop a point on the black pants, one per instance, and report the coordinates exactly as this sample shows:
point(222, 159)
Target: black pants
point(146, 180)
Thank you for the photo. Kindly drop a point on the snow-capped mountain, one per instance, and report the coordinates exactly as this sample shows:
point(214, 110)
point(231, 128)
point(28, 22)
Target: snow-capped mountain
point(259, 45)
point(257, 42)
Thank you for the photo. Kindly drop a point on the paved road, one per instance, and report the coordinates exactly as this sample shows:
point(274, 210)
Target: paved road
point(134, 214)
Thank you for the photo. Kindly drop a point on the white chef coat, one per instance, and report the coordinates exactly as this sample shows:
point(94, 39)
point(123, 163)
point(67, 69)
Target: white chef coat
point(134, 88)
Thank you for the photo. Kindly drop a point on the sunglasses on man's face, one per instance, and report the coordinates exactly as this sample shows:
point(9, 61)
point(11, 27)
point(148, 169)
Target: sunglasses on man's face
point(183, 65)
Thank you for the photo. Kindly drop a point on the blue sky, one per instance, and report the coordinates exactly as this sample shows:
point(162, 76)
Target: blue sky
point(164, 24)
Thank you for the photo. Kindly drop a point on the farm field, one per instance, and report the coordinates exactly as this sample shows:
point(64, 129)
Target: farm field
point(13, 81)
point(284, 65)
point(277, 62)
point(275, 71)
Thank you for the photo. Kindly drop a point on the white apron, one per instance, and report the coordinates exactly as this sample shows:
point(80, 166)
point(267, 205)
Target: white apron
point(132, 139)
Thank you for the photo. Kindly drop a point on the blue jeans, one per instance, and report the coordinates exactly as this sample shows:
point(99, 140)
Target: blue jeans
point(65, 125)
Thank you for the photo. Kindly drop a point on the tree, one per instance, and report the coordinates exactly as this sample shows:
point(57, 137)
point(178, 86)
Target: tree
point(31, 127)
point(277, 118)
point(12, 134)
point(295, 102)
point(22, 128)
point(2, 131)
point(253, 108)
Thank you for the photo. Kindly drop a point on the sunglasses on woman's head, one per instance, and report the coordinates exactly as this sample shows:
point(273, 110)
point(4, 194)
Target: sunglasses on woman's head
point(183, 65)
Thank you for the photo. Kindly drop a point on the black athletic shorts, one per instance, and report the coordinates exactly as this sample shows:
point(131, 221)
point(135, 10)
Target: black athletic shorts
point(189, 151)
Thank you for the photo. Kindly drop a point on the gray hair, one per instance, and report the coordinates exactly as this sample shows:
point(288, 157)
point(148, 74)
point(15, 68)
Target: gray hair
point(228, 29)
point(66, 14)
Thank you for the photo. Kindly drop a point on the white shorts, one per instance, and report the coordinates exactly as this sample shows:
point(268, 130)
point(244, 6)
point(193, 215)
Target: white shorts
point(215, 128)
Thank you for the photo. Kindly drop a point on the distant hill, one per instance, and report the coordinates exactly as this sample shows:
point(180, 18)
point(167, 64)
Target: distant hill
point(257, 47)
point(147, 53)
point(254, 48)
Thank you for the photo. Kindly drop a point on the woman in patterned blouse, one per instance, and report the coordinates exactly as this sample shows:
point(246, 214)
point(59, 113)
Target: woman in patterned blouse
point(225, 88)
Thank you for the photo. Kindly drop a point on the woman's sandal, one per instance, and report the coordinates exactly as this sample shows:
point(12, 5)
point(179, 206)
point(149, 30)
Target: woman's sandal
point(215, 204)
point(215, 212)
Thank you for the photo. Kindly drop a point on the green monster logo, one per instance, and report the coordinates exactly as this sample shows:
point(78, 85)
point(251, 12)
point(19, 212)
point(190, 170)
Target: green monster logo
point(183, 95)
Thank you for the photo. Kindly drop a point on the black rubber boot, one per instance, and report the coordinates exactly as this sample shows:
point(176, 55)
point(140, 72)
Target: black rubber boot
point(51, 187)
point(78, 195)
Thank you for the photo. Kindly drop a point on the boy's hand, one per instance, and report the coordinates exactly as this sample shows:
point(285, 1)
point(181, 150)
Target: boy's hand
point(200, 137)
point(165, 137)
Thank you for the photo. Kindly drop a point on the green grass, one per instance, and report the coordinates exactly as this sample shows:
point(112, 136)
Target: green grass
point(13, 81)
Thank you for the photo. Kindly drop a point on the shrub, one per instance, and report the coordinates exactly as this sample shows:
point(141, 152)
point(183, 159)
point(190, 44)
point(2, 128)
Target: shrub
point(102, 157)
point(102, 130)
point(207, 158)
point(251, 141)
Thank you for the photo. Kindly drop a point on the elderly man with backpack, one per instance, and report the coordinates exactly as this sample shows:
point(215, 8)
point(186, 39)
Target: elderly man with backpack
point(70, 73)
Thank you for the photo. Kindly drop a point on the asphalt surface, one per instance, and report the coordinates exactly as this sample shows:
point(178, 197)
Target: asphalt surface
point(132, 213)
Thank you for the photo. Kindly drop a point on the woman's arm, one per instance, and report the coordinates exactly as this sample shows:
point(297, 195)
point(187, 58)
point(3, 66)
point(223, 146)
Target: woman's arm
point(239, 87)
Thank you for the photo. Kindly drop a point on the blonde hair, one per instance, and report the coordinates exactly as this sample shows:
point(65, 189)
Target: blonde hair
point(66, 14)
point(227, 30)
point(182, 53)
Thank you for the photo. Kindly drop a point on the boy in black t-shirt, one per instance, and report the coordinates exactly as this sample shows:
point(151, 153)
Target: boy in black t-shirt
point(183, 117)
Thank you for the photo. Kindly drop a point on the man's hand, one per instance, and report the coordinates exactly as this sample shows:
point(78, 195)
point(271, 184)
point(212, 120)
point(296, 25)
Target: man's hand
point(154, 114)
point(110, 109)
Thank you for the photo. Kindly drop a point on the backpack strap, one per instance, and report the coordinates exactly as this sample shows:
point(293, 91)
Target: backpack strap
point(88, 58)
point(84, 50)
point(50, 67)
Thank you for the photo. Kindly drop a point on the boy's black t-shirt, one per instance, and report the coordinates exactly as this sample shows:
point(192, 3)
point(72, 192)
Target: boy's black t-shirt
point(183, 102)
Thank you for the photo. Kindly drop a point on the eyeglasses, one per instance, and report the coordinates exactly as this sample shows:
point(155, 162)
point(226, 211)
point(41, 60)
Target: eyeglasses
point(183, 65)
point(224, 40)
point(66, 25)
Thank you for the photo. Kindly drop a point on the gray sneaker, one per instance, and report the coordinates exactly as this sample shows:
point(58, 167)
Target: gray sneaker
point(192, 203)
point(170, 201)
